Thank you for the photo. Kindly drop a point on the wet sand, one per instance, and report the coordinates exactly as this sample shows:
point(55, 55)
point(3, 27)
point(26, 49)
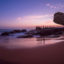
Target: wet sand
point(50, 54)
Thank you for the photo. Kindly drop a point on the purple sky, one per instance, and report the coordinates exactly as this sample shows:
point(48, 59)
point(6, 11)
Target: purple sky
point(28, 13)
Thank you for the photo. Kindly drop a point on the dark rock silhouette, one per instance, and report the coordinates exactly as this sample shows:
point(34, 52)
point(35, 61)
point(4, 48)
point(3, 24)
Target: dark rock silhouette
point(50, 32)
point(13, 32)
point(18, 31)
point(38, 28)
point(5, 34)
point(25, 36)
point(57, 32)
point(59, 18)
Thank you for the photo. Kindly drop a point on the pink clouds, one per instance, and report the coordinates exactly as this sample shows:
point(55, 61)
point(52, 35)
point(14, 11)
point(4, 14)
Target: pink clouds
point(19, 18)
point(34, 17)
point(35, 20)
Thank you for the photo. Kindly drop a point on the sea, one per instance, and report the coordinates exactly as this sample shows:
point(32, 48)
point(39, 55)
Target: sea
point(12, 42)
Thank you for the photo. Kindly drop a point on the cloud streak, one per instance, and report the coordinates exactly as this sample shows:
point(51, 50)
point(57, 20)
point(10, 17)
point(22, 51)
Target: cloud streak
point(34, 17)
point(36, 20)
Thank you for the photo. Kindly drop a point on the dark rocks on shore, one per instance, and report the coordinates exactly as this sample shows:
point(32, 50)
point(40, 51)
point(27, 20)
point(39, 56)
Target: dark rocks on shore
point(24, 30)
point(39, 32)
point(5, 34)
point(59, 18)
point(42, 33)
point(47, 32)
point(13, 32)
point(18, 31)
point(38, 28)
point(32, 32)
point(25, 36)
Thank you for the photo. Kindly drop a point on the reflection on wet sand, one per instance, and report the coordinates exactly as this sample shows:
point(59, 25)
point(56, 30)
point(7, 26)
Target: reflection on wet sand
point(41, 40)
point(52, 54)
point(5, 39)
point(11, 43)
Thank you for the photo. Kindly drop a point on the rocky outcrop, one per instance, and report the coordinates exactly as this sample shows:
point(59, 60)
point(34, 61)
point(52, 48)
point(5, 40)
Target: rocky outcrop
point(25, 36)
point(13, 32)
point(5, 34)
point(59, 18)
point(18, 31)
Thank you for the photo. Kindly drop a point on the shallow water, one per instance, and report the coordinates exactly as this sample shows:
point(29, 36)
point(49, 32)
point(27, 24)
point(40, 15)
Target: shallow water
point(10, 42)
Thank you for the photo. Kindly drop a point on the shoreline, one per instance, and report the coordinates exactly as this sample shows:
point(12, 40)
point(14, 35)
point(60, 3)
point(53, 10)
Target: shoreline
point(39, 55)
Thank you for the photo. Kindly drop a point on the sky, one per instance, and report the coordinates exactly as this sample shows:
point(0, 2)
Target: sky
point(29, 13)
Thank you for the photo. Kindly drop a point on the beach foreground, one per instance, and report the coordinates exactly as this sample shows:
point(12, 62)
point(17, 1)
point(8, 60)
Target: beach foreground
point(50, 54)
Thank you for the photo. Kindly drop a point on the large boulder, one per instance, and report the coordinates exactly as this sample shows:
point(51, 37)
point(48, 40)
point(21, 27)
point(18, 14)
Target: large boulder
point(59, 18)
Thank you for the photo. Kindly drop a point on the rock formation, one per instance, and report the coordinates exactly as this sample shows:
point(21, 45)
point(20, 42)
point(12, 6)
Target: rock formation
point(59, 18)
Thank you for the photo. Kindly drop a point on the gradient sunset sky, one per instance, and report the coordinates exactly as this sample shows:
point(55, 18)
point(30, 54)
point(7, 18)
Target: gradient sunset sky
point(28, 13)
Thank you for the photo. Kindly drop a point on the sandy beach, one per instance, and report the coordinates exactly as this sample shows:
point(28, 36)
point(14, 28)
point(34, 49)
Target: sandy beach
point(50, 54)
point(31, 31)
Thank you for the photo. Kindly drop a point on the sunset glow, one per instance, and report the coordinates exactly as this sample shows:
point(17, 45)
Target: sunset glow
point(28, 13)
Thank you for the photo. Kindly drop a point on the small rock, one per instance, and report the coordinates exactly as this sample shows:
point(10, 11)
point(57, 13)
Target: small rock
point(5, 34)
point(25, 36)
